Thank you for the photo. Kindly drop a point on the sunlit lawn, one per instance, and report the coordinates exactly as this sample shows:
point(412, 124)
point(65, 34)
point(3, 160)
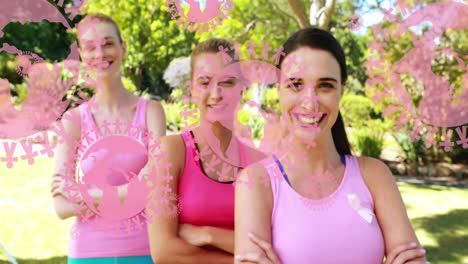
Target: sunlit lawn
point(30, 230)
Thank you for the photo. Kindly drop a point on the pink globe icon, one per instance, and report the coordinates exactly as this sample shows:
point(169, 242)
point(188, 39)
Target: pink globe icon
point(111, 162)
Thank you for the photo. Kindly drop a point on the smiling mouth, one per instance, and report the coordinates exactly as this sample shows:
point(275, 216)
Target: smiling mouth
point(310, 119)
point(103, 65)
point(216, 106)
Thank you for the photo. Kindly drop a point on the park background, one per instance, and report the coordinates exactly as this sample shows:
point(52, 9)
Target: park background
point(432, 181)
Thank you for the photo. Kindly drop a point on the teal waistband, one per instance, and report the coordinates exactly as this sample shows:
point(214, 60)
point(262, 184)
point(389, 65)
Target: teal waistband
point(112, 260)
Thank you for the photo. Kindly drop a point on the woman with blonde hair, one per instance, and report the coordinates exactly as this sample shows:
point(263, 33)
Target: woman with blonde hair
point(102, 50)
point(204, 163)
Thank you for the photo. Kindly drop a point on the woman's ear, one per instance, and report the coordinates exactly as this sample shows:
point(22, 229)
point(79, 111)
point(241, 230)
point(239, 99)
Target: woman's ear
point(124, 49)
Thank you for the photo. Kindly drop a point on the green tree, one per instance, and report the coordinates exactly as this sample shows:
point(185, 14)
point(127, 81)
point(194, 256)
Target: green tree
point(394, 48)
point(274, 21)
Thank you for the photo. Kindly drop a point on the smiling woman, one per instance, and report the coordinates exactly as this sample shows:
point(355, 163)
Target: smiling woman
point(319, 199)
point(103, 55)
point(204, 163)
point(96, 198)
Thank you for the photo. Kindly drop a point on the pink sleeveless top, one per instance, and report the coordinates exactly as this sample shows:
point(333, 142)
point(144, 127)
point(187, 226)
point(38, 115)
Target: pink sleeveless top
point(87, 240)
point(340, 228)
point(202, 200)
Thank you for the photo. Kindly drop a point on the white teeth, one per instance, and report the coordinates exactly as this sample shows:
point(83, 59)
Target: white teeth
point(308, 120)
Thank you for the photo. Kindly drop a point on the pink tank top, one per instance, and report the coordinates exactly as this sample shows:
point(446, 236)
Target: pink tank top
point(202, 200)
point(340, 228)
point(89, 241)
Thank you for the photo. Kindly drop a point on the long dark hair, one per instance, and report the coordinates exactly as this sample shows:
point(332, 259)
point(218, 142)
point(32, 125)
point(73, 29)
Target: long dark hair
point(321, 39)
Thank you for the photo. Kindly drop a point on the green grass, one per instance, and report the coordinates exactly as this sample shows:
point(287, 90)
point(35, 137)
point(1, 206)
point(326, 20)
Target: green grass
point(440, 217)
point(29, 227)
point(32, 232)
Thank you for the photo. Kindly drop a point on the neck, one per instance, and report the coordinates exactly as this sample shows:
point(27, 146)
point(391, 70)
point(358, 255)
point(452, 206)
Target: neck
point(217, 134)
point(320, 157)
point(111, 94)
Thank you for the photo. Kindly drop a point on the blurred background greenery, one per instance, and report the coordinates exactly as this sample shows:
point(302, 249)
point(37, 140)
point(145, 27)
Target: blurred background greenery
point(154, 40)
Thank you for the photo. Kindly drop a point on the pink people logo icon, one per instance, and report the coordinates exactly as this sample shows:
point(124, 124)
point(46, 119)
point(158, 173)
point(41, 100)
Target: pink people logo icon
point(111, 179)
point(46, 85)
point(108, 163)
point(202, 14)
point(443, 106)
point(26, 60)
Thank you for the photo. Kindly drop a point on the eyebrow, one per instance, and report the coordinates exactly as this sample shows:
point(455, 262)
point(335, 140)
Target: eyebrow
point(92, 40)
point(323, 79)
point(227, 77)
point(203, 78)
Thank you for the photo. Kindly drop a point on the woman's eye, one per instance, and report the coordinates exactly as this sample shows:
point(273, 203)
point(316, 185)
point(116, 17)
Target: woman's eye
point(295, 85)
point(227, 83)
point(326, 85)
point(108, 44)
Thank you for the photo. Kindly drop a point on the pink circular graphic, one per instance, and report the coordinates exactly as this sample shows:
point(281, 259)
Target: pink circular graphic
point(440, 106)
point(21, 123)
point(24, 65)
point(107, 165)
point(43, 105)
point(204, 14)
point(111, 162)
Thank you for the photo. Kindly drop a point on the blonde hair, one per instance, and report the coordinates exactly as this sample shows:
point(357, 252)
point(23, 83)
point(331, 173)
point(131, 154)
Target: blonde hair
point(102, 18)
point(210, 46)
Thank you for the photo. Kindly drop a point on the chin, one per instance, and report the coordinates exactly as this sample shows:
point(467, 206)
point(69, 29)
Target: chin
point(306, 137)
point(221, 118)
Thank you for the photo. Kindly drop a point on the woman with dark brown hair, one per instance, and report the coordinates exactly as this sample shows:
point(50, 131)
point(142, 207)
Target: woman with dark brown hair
point(319, 204)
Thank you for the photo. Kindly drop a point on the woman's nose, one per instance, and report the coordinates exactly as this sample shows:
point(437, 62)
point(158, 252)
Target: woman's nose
point(98, 51)
point(309, 99)
point(215, 91)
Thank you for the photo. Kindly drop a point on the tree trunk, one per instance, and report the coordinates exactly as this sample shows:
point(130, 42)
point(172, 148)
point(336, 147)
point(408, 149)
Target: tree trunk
point(321, 12)
point(299, 12)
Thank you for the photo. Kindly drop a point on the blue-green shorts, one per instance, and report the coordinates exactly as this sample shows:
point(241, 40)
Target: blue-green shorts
point(112, 260)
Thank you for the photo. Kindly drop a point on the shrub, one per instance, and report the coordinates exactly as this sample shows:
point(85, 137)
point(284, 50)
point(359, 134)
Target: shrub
point(356, 110)
point(270, 100)
point(369, 143)
point(176, 76)
point(249, 116)
point(412, 150)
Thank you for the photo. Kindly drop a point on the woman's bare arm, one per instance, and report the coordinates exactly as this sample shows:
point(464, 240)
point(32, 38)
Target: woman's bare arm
point(64, 161)
point(254, 205)
point(163, 228)
point(389, 207)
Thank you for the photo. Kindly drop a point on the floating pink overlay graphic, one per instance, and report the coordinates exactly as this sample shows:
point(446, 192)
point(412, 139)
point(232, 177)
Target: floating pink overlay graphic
point(46, 87)
point(231, 81)
point(121, 160)
point(257, 69)
point(355, 22)
point(25, 64)
point(441, 108)
point(202, 14)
